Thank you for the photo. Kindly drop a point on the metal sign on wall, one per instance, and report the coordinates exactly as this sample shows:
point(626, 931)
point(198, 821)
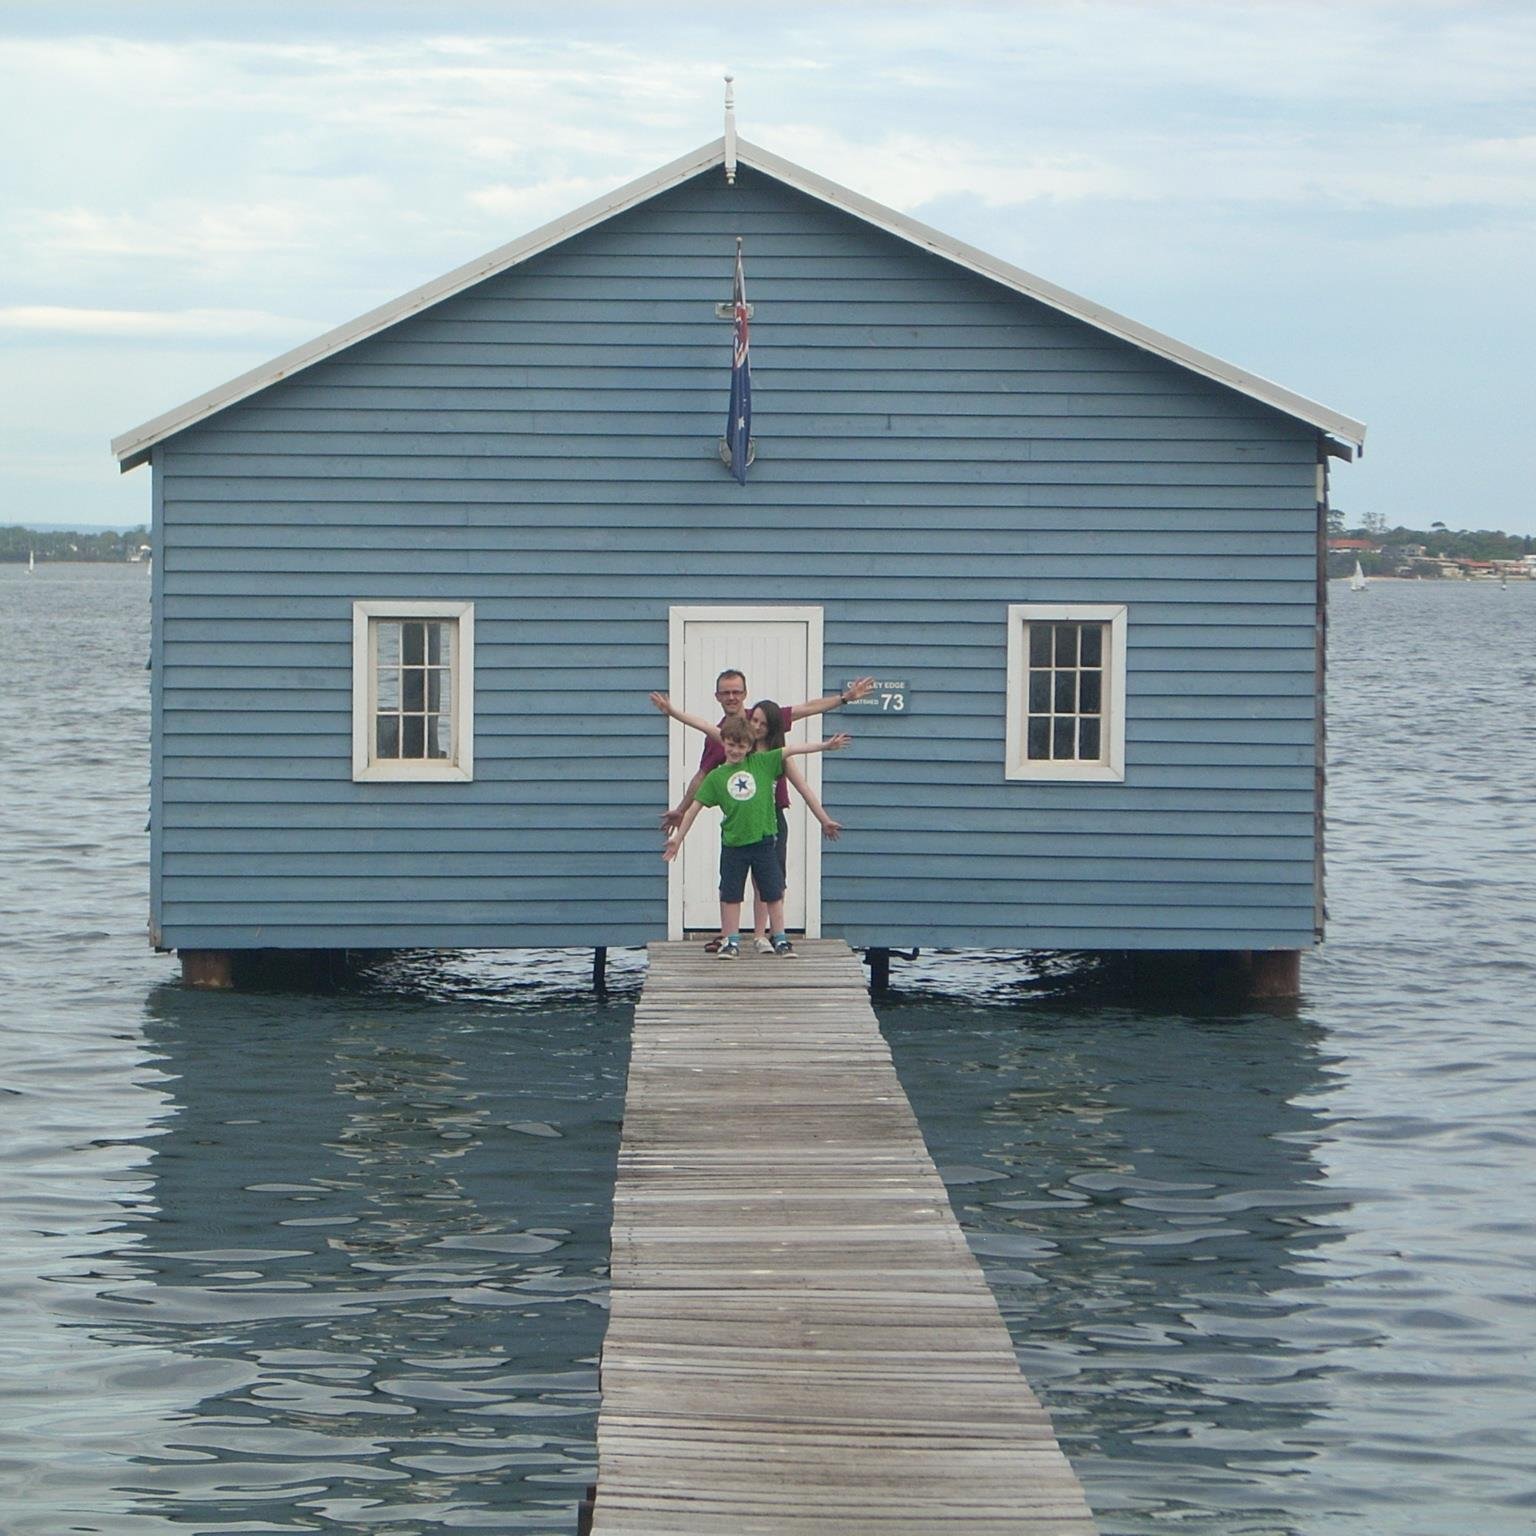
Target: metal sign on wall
point(891, 696)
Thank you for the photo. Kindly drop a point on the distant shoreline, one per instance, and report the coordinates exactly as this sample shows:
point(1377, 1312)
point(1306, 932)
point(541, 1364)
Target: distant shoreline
point(1446, 581)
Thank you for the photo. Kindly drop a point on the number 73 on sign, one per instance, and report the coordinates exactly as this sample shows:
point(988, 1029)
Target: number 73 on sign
point(890, 696)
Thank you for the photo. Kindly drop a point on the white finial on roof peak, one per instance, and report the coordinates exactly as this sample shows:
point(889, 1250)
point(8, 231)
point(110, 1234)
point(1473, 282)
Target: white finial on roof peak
point(730, 131)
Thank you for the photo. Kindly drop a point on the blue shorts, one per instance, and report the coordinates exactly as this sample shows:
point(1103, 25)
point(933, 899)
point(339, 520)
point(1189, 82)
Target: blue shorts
point(761, 859)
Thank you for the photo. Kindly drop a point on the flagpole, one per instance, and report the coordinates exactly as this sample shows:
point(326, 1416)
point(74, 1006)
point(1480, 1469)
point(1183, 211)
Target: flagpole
point(736, 445)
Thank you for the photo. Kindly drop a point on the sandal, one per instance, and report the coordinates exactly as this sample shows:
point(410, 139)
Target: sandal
point(713, 947)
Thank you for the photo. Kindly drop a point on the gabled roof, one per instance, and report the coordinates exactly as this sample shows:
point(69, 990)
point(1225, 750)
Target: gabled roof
point(133, 448)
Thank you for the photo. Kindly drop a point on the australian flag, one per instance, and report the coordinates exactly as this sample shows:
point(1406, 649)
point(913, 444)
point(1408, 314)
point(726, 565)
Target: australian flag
point(738, 425)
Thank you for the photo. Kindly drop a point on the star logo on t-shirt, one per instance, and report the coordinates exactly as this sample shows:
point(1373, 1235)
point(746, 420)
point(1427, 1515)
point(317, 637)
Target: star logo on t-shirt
point(742, 786)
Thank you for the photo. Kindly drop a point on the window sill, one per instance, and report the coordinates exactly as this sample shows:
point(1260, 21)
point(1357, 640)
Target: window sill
point(1065, 773)
point(413, 773)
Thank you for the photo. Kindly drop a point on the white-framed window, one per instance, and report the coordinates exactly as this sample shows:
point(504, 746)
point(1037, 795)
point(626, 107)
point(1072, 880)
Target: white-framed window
point(413, 692)
point(1066, 692)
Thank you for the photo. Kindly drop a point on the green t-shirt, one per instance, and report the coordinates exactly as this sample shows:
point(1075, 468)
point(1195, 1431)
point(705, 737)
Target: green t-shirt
point(744, 794)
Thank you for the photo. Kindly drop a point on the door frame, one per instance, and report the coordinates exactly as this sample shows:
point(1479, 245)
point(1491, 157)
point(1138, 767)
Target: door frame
point(679, 757)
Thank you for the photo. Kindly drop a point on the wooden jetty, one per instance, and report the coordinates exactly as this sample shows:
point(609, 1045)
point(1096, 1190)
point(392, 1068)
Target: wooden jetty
point(800, 1340)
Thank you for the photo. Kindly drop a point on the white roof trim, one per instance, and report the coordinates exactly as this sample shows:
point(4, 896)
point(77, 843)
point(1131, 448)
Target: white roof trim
point(1143, 336)
point(133, 448)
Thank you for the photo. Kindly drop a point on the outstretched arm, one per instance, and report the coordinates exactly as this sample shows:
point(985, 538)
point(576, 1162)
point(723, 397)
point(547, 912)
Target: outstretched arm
point(670, 820)
point(855, 690)
point(667, 707)
point(831, 744)
point(830, 829)
point(675, 842)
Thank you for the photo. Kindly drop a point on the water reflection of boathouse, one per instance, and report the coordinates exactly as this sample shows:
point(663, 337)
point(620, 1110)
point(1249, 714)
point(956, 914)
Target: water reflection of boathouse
point(1146, 1196)
point(339, 1263)
point(371, 1261)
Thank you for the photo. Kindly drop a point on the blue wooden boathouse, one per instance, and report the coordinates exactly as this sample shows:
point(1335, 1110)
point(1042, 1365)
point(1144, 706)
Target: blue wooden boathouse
point(413, 580)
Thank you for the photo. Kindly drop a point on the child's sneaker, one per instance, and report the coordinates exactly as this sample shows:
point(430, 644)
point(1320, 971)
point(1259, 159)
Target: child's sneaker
point(713, 946)
point(730, 950)
point(762, 945)
point(783, 948)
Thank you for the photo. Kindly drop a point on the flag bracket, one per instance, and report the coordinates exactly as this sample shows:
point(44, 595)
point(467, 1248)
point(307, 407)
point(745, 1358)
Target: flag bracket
point(727, 311)
point(725, 451)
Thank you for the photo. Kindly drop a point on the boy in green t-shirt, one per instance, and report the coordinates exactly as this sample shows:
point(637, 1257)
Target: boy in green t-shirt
point(742, 786)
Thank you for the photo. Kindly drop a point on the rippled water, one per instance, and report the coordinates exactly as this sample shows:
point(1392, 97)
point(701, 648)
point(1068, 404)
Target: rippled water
point(285, 1263)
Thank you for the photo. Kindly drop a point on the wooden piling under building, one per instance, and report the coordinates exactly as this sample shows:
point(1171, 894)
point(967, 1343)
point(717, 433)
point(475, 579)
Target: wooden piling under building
point(800, 1340)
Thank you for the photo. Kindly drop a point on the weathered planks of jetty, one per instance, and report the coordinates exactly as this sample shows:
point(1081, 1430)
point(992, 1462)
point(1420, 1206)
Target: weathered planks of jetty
point(800, 1340)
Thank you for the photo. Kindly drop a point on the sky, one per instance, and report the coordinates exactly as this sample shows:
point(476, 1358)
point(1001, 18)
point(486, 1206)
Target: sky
point(1339, 197)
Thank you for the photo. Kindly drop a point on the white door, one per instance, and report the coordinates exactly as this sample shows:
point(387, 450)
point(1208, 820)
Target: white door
point(779, 649)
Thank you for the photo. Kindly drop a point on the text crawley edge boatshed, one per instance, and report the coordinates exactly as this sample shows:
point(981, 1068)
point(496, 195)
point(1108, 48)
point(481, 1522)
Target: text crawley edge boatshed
point(413, 581)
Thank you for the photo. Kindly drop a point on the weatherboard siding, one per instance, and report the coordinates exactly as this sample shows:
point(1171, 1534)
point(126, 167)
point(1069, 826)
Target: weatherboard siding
point(932, 448)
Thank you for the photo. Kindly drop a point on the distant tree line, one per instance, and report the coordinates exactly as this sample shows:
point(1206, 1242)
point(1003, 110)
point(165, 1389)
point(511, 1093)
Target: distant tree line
point(17, 542)
point(1439, 542)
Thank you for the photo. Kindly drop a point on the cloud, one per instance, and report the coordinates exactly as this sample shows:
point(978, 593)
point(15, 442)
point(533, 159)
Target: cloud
point(1407, 168)
point(1189, 54)
point(248, 164)
point(543, 200)
point(907, 170)
point(207, 174)
point(198, 324)
point(176, 230)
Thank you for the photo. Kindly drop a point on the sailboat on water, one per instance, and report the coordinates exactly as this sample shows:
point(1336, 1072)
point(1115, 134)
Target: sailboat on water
point(1357, 581)
point(31, 561)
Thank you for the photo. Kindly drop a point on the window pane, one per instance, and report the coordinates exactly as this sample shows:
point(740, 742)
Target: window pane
point(388, 639)
point(440, 719)
point(1069, 711)
point(413, 690)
